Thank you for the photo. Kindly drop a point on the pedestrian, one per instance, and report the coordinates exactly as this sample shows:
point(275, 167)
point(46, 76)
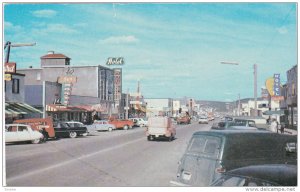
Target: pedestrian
point(274, 125)
point(282, 128)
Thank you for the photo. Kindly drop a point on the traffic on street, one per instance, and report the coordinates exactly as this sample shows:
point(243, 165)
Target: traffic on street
point(117, 158)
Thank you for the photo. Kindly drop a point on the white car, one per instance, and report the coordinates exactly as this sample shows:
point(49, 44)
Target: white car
point(100, 125)
point(139, 122)
point(203, 119)
point(21, 132)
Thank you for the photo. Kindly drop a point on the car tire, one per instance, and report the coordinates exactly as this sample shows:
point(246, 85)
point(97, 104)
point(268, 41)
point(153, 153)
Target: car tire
point(72, 134)
point(148, 138)
point(110, 129)
point(125, 127)
point(170, 138)
point(36, 141)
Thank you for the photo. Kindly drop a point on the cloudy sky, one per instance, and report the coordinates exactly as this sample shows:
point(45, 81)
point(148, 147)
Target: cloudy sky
point(174, 49)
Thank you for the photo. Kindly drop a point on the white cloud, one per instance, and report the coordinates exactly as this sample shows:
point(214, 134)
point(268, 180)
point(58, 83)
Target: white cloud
point(119, 40)
point(12, 27)
point(54, 28)
point(282, 30)
point(46, 13)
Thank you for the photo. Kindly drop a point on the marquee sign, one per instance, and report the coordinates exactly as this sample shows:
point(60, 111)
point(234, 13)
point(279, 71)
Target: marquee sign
point(115, 61)
point(276, 87)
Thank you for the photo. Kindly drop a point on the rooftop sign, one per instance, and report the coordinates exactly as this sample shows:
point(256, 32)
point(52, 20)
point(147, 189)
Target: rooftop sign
point(115, 61)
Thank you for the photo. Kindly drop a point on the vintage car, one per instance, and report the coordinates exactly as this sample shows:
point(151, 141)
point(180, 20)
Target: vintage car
point(160, 127)
point(209, 154)
point(259, 175)
point(20, 133)
point(69, 129)
point(183, 120)
point(100, 125)
point(121, 123)
point(139, 122)
point(203, 119)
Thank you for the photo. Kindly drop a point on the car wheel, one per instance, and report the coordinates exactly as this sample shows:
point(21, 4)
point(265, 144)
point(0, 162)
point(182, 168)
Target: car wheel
point(170, 138)
point(72, 134)
point(110, 129)
point(125, 127)
point(35, 141)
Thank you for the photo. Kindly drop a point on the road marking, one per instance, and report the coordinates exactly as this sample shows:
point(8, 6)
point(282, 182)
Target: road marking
point(72, 160)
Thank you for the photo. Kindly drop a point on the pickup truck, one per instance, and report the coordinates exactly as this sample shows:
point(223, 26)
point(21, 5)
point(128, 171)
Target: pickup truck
point(160, 127)
point(121, 123)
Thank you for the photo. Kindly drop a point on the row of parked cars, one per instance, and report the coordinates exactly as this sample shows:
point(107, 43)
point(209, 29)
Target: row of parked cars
point(237, 153)
point(40, 129)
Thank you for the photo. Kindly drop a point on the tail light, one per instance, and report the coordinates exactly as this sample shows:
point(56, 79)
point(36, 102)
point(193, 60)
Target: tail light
point(220, 169)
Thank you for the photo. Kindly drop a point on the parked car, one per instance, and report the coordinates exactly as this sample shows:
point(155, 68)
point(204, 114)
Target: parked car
point(68, 129)
point(235, 124)
point(100, 125)
point(76, 124)
point(211, 153)
point(121, 123)
point(21, 133)
point(160, 127)
point(259, 175)
point(203, 119)
point(139, 122)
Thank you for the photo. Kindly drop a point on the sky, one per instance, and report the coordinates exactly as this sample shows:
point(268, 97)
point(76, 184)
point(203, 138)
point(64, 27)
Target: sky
point(173, 49)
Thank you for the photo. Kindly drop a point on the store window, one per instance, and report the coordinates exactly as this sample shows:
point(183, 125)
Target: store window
point(15, 85)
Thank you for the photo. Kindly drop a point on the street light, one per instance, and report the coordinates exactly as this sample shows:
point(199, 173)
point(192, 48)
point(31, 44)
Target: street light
point(255, 83)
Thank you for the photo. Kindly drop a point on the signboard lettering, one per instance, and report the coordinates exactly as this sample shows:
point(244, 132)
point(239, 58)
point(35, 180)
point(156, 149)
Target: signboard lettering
point(67, 79)
point(7, 77)
point(276, 85)
point(115, 61)
point(10, 67)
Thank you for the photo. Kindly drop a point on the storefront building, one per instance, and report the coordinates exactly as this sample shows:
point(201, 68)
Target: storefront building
point(57, 84)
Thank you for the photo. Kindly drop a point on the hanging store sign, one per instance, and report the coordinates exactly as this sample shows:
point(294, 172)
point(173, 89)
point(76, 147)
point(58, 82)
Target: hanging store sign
point(7, 77)
point(115, 61)
point(10, 67)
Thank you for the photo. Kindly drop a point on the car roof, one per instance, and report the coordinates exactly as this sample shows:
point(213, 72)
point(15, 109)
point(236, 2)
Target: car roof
point(281, 174)
point(242, 133)
point(16, 124)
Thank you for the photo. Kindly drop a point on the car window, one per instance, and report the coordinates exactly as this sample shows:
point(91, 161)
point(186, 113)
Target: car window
point(22, 128)
point(251, 124)
point(205, 145)
point(104, 122)
point(11, 128)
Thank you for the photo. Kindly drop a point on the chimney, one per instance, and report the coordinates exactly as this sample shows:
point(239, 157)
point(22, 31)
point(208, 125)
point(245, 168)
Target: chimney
point(50, 52)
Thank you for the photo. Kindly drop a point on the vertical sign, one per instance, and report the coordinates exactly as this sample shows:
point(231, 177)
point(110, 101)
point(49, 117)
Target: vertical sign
point(276, 85)
point(117, 84)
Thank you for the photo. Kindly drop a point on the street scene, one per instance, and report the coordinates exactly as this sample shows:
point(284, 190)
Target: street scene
point(150, 95)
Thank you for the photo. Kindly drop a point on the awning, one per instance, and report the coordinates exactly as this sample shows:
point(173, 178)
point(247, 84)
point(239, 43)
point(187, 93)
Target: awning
point(279, 112)
point(64, 108)
point(14, 108)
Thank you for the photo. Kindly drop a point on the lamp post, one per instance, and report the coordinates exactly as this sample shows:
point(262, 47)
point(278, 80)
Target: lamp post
point(255, 84)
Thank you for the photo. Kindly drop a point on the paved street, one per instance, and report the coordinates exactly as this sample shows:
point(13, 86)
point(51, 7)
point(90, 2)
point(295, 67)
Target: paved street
point(118, 158)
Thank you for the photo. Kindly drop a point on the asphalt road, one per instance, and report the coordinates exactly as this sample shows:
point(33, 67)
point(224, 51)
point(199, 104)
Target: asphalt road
point(105, 159)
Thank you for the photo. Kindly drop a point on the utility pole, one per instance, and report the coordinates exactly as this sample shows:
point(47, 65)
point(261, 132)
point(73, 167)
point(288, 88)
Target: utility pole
point(239, 105)
point(8, 45)
point(255, 89)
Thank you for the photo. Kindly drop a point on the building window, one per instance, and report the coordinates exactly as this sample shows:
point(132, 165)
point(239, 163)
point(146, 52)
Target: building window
point(38, 76)
point(15, 86)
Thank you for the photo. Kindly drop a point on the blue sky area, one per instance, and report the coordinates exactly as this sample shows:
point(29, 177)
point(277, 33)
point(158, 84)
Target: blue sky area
point(174, 49)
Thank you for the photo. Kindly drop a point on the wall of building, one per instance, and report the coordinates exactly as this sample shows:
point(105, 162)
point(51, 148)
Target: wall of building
point(15, 97)
point(34, 95)
point(53, 62)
